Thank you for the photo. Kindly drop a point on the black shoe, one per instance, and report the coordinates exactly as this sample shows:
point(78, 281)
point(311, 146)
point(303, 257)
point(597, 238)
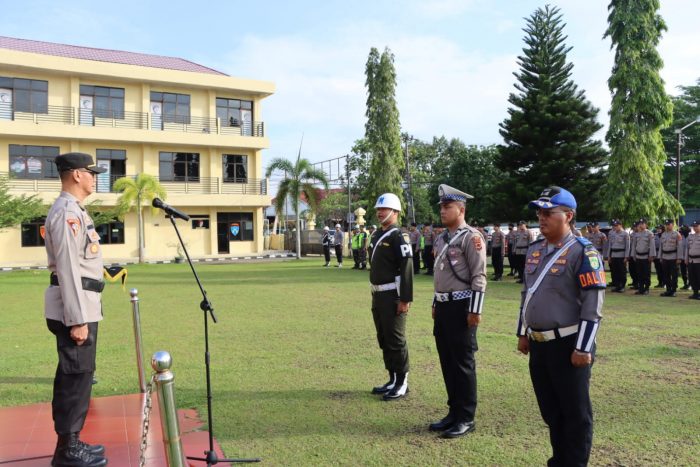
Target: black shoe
point(695, 296)
point(444, 424)
point(635, 286)
point(639, 292)
point(668, 294)
point(386, 387)
point(685, 287)
point(619, 290)
point(459, 429)
point(71, 453)
point(400, 388)
point(659, 286)
point(646, 292)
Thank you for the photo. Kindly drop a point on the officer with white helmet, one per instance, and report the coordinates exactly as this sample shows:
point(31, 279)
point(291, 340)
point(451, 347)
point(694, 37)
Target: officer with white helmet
point(338, 238)
point(391, 282)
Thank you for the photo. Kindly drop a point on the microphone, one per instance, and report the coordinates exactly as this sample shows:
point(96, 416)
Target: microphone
point(158, 203)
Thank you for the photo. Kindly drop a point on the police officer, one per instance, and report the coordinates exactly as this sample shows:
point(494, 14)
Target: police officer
point(355, 240)
point(559, 316)
point(658, 266)
point(510, 236)
point(338, 240)
point(498, 250)
point(523, 237)
point(643, 253)
point(391, 282)
point(327, 241)
point(596, 237)
point(460, 284)
point(362, 247)
point(617, 252)
point(671, 256)
point(631, 266)
point(73, 306)
point(685, 231)
point(692, 259)
point(414, 237)
point(428, 258)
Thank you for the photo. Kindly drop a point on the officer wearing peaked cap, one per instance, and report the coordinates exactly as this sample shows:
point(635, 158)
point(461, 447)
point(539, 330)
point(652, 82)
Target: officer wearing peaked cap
point(671, 255)
point(643, 251)
point(460, 285)
point(616, 252)
point(559, 316)
point(73, 306)
point(692, 259)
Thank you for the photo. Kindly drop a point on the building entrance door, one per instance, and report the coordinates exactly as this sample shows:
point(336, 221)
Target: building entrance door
point(222, 237)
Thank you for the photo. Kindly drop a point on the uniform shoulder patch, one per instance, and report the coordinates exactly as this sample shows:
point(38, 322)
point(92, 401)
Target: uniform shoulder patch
point(478, 244)
point(591, 274)
point(74, 224)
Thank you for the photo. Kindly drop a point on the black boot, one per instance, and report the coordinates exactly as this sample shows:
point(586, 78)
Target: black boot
point(444, 424)
point(400, 388)
point(94, 449)
point(386, 387)
point(71, 453)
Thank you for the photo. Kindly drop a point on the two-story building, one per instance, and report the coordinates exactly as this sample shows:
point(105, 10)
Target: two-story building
point(200, 132)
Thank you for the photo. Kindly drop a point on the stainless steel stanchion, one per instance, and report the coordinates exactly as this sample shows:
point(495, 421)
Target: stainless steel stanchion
point(161, 363)
point(136, 317)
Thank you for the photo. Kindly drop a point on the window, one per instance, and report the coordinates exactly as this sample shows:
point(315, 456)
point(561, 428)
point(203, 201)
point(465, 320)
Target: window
point(239, 225)
point(235, 168)
point(114, 160)
point(111, 233)
point(31, 233)
point(28, 95)
point(106, 102)
point(35, 162)
point(235, 113)
point(199, 221)
point(175, 108)
point(178, 167)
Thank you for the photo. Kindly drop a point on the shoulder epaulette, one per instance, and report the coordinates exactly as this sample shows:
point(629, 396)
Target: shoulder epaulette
point(584, 241)
point(538, 241)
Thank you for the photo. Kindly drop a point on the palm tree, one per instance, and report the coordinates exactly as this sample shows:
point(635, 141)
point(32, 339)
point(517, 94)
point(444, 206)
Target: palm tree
point(299, 178)
point(134, 192)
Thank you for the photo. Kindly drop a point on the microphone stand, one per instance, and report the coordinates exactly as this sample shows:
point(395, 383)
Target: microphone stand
point(206, 306)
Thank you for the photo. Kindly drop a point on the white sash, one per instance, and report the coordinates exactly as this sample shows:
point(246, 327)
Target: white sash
point(374, 249)
point(444, 248)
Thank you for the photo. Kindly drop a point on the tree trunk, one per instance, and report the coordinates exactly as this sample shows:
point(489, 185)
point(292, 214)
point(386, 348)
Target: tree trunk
point(142, 252)
point(298, 236)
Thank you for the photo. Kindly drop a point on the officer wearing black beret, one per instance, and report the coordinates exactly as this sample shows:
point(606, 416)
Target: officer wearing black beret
point(73, 306)
point(560, 312)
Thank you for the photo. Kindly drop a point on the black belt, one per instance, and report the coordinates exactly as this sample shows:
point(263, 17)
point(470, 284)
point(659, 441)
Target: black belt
point(669, 251)
point(694, 256)
point(644, 253)
point(91, 285)
point(618, 249)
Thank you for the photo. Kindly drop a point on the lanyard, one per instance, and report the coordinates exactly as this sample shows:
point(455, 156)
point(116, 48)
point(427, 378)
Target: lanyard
point(444, 248)
point(374, 250)
point(540, 278)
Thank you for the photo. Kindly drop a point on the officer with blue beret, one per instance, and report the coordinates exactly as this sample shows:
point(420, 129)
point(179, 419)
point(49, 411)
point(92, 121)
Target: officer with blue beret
point(560, 311)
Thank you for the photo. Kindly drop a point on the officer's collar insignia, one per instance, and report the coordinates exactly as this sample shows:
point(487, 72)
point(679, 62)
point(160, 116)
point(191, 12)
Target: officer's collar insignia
point(535, 254)
point(554, 270)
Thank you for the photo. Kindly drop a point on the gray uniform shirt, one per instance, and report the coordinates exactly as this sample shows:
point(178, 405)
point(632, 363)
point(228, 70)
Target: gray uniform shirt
point(692, 248)
point(573, 289)
point(618, 245)
point(522, 241)
point(643, 246)
point(73, 251)
point(598, 240)
point(498, 240)
point(671, 245)
point(338, 237)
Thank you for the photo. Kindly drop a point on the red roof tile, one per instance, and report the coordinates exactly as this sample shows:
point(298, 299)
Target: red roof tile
point(104, 55)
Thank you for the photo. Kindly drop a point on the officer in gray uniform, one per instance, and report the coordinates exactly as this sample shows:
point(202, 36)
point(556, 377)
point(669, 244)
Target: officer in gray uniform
point(338, 240)
point(658, 266)
point(460, 285)
point(671, 256)
point(692, 259)
point(391, 282)
point(498, 251)
point(685, 231)
point(523, 237)
point(596, 237)
point(560, 311)
point(73, 306)
point(643, 253)
point(617, 252)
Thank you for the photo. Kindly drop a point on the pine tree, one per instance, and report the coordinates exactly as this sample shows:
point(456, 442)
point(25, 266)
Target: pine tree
point(548, 134)
point(382, 130)
point(640, 109)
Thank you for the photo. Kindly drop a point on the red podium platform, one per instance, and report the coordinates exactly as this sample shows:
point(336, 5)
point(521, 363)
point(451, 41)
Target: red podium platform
point(27, 438)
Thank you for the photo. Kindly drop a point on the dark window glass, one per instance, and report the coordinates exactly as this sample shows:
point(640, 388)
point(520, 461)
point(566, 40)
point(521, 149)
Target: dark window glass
point(111, 232)
point(29, 95)
point(33, 162)
point(178, 167)
point(240, 225)
point(229, 110)
point(176, 107)
point(235, 168)
point(117, 166)
point(31, 233)
point(200, 222)
point(107, 102)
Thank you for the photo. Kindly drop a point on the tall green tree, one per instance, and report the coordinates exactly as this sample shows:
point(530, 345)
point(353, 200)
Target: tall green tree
point(640, 109)
point(686, 109)
point(549, 132)
point(382, 129)
point(137, 193)
point(300, 178)
point(16, 209)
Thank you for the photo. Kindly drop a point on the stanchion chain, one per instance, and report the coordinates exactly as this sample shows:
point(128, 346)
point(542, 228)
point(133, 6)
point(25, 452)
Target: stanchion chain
point(146, 419)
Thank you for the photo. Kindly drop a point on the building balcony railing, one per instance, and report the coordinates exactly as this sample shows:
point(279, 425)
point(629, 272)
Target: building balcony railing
point(174, 185)
point(134, 120)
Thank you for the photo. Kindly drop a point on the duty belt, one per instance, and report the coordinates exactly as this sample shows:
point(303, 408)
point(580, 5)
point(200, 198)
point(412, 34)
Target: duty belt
point(669, 251)
point(452, 296)
point(552, 334)
point(383, 287)
point(694, 256)
point(617, 249)
point(91, 285)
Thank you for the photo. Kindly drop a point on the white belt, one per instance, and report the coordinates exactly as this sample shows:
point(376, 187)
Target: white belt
point(456, 295)
point(383, 287)
point(544, 336)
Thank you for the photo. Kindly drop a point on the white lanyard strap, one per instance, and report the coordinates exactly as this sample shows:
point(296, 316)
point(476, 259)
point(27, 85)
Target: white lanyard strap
point(374, 250)
point(540, 278)
point(444, 248)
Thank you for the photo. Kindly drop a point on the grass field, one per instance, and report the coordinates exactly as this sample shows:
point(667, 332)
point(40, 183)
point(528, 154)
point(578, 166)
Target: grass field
point(294, 355)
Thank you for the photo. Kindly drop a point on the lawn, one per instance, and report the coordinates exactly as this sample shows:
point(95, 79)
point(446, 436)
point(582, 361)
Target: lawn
point(294, 356)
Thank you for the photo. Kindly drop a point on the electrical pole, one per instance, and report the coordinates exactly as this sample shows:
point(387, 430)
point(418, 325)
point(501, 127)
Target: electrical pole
point(408, 138)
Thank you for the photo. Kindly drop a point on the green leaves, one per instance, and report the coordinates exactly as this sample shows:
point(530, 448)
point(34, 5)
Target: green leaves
point(16, 209)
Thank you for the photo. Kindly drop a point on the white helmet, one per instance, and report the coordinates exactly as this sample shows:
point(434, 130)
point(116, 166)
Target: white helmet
point(388, 200)
point(326, 228)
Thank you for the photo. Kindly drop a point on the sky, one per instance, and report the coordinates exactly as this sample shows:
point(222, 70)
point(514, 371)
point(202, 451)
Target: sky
point(454, 59)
